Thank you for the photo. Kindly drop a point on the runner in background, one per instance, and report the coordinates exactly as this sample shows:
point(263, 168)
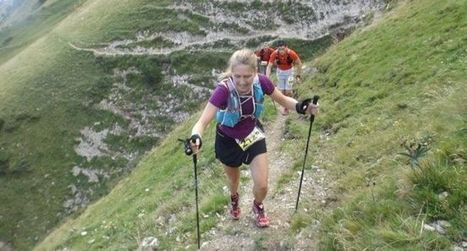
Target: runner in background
point(285, 59)
point(263, 55)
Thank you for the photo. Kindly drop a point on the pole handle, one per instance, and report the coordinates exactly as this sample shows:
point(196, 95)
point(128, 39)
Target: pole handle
point(187, 146)
point(315, 99)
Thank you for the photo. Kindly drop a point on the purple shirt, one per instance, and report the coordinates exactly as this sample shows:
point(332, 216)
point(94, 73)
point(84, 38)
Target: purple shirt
point(219, 99)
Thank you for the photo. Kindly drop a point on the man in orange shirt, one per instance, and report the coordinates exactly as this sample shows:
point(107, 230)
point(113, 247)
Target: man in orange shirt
point(263, 55)
point(285, 59)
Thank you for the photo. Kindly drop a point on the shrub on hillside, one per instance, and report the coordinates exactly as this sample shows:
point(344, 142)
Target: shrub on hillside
point(100, 89)
point(18, 120)
point(152, 74)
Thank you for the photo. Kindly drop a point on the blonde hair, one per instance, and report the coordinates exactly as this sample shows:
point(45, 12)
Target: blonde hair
point(242, 56)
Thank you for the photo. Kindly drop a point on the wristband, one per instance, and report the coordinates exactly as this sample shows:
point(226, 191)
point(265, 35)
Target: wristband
point(194, 138)
point(301, 107)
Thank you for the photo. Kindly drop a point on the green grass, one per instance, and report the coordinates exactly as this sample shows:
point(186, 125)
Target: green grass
point(122, 20)
point(401, 78)
point(391, 82)
point(36, 24)
point(162, 199)
point(47, 95)
point(170, 192)
point(33, 138)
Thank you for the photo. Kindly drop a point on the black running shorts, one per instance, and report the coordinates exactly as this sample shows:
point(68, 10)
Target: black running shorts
point(230, 154)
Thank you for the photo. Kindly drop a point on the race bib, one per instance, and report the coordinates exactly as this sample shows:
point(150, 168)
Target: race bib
point(255, 136)
point(264, 63)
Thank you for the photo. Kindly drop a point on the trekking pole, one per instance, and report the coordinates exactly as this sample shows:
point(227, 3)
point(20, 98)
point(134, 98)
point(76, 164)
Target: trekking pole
point(189, 151)
point(312, 118)
point(195, 160)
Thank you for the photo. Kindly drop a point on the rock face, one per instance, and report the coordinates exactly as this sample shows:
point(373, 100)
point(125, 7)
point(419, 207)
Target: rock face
point(234, 23)
point(300, 19)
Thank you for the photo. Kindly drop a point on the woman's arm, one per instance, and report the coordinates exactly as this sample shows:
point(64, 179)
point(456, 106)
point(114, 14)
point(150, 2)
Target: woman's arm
point(283, 100)
point(206, 117)
point(291, 103)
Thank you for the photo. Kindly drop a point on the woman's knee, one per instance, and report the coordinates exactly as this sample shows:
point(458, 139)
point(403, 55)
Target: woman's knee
point(232, 173)
point(261, 187)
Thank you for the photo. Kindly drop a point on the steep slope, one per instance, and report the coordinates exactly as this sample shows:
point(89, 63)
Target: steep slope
point(399, 82)
point(396, 122)
point(26, 21)
point(74, 122)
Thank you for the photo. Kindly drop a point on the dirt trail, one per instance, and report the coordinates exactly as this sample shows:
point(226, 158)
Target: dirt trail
point(243, 234)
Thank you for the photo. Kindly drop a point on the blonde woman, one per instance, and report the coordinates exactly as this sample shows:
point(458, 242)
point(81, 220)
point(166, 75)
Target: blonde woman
point(236, 104)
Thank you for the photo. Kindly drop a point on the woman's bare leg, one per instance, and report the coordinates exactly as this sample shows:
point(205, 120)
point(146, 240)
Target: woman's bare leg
point(233, 177)
point(259, 174)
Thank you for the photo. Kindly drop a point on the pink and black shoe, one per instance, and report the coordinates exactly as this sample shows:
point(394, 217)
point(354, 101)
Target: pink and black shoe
point(261, 218)
point(234, 209)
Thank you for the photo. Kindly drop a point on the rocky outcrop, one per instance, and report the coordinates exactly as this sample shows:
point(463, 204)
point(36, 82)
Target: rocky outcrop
point(235, 23)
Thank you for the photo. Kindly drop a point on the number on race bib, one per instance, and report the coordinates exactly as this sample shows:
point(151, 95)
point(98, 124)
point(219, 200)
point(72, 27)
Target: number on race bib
point(255, 136)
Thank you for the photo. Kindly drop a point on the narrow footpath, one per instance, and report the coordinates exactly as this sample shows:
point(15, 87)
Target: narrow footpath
point(279, 206)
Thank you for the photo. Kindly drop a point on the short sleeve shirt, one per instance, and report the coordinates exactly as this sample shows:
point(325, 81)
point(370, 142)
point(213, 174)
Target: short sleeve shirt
point(265, 53)
point(219, 99)
point(282, 59)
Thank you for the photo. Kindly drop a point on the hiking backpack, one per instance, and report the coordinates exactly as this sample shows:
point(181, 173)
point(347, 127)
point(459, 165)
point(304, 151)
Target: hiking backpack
point(232, 114)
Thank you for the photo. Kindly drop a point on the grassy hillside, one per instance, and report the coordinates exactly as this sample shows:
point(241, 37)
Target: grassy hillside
point(52, 93)
point(393, 88)
point(48, 93)
point(400, 82)
point(30, 21)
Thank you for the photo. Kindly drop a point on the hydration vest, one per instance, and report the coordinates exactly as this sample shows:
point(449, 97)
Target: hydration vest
point(284, 59)
point(233, 114)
